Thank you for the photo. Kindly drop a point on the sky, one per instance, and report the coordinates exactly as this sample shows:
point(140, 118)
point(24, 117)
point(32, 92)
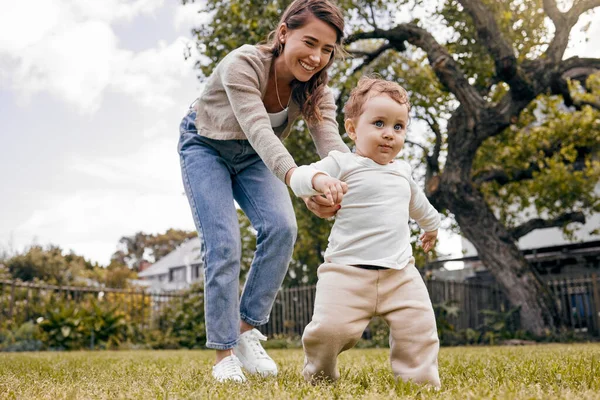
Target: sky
point(91, 96)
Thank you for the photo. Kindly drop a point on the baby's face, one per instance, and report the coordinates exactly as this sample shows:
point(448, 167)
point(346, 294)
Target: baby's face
point(380, 131)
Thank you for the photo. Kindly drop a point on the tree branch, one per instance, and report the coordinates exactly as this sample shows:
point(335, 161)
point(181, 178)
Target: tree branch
point(553, 12)
point(370, 57)
point(442, 62)
point(564, 22)
point(591, 64)
point(433, 161)
point(501, 51)
point(574, 68)
point(365, 16)
point(373, 15)
point(582, 6)
point(561, 87)
point(578, 104)
point(503, 177)
point(538, 223)
point(417, 144)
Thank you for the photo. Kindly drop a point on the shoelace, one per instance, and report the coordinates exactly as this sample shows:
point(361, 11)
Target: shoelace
point(231, 366)
point(254, 341)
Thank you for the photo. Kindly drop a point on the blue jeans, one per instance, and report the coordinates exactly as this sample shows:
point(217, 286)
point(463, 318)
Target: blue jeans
point(215, 173)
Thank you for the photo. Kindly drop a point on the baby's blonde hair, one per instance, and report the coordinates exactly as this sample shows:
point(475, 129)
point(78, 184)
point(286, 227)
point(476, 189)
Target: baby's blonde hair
point(368, 87)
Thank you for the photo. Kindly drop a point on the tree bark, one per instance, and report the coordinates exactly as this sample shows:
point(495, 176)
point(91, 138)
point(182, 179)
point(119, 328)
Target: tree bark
point(498, 252)
point(494, 243)
point(476, 120)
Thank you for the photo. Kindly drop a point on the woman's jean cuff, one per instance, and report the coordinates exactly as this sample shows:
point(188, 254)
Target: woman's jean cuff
point(254, 322)
point(219, 346)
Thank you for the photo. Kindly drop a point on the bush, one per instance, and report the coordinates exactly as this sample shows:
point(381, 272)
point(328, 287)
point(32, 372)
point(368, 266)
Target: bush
point(72, 327)
point(283, 342)
point(25, 338)
point(181, 322)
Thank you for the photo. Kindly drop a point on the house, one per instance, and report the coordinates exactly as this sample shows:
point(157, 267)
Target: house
point(178, 269)
point(567, 260)
point(551, 254)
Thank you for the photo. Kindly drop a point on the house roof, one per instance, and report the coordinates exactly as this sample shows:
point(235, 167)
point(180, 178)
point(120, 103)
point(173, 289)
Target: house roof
point(541, 253)
point(187, 253)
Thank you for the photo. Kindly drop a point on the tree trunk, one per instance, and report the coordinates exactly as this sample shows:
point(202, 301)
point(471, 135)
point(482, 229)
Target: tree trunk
point(498, 252)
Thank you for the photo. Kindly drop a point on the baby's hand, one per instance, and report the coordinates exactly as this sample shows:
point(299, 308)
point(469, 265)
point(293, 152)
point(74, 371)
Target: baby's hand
point(332, 188)
point(428, 240)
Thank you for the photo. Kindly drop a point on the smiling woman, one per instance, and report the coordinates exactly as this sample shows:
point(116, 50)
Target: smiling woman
point(231, 149)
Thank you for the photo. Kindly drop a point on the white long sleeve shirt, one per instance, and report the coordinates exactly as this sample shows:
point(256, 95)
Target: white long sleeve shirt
point(372, 227)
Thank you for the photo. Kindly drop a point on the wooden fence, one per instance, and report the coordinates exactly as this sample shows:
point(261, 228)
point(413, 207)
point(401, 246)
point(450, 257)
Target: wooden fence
point(578, 301)
point(469, 300)
point(293, 307)
point(24, 301)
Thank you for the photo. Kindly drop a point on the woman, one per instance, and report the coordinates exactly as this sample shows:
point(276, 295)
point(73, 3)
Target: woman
point(230, 149)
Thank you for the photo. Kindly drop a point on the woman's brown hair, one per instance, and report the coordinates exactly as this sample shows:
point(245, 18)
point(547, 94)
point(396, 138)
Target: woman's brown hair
point(308, 94)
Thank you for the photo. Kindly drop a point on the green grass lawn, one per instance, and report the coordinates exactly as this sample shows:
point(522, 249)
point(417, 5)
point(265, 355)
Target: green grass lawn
point(533, 372)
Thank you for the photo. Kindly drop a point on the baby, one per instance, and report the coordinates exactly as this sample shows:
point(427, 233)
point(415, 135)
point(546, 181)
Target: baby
point(369, 269)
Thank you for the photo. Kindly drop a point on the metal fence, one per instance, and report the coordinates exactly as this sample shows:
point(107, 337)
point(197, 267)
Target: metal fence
point(578, 301)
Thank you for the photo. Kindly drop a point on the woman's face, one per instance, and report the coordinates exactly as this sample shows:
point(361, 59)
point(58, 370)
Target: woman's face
point(307, 50)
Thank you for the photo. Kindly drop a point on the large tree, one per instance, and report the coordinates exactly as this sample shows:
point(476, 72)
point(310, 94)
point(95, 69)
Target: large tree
point(150, 247)
point(510, 123)
point(51, 265)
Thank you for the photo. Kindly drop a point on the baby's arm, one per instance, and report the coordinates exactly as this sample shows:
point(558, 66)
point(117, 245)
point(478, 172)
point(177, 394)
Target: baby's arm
point(428, 240)
point(421, 210)
point(319, 178)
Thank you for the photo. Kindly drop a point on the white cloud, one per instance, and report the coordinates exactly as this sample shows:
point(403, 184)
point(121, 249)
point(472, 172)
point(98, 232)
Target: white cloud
point(73, 64)
point(153, 168)
point(20, 27)
point(72, 52)
point(581, 42)
point(114, 10)
point(149, 76)
point(141, 191)
point(25, 23)
point(188, 16)
point(91, 222)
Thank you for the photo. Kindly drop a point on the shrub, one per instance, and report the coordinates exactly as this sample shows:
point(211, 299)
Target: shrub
point(25, 338)
point(181, 322)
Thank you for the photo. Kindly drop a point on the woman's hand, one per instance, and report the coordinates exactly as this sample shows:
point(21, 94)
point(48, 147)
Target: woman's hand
point(321, 207)
point(333, 189)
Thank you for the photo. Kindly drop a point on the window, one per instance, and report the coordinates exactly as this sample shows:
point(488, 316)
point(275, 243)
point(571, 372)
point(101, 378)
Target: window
point(196, 271)
point(177, 274)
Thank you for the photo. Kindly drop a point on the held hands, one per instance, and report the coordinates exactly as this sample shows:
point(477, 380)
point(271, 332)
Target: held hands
point(428, 240)
point(320, 206)
point(333, 189)
point(327, 204)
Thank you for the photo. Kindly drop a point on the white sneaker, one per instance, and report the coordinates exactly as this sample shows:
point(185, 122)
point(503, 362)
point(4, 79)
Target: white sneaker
point(229, 369)
point(252, 355)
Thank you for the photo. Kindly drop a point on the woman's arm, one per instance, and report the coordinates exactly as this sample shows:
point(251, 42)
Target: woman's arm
point(240, 75)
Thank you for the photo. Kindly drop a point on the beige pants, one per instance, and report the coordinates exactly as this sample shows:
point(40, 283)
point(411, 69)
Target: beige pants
point(346, 300)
